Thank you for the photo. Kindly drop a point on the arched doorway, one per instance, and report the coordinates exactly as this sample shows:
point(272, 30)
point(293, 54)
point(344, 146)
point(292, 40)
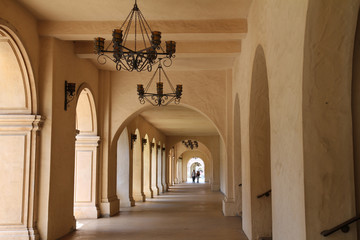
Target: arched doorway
point(123, 169)
point(19, 126)
point(195, 164)
point(260, 163)
point(86, 158)
point(237, 157)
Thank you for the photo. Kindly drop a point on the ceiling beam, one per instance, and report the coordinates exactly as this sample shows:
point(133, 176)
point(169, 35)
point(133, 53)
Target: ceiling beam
point(86, 30)
point(85, 48)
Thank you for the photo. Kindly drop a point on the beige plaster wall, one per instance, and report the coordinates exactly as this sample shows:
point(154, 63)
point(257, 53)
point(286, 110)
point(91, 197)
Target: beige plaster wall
point(327, 120)
point(58, 138)
point(24, 24)
point(279, 27)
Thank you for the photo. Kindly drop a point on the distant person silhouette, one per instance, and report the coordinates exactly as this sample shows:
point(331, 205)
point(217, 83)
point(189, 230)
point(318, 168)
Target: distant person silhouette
point(193, 175)
point(197, 176)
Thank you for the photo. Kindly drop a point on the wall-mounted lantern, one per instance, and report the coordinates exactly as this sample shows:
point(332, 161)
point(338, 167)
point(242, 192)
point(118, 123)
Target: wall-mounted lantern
point(69, 93)
point(143, 141)
point(133, 139)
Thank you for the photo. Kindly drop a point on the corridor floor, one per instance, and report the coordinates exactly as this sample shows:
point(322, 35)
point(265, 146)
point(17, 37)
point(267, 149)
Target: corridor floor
point(187, 211)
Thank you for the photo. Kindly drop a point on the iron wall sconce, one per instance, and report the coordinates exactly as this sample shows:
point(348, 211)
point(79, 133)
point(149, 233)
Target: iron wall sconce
point(144, 141)
point(133, 139)
point(69, 93)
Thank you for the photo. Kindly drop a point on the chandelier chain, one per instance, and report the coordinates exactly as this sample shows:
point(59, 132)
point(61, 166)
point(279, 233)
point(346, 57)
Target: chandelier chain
point(167, 79)
point(151, 80)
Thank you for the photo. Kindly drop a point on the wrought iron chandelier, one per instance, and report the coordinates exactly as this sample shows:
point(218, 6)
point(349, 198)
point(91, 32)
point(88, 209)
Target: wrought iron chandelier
point(190, 144)
point(145, 52)
point(159, 98)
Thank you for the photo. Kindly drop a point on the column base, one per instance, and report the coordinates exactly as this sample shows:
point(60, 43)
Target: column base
point(148, 194)
point(125, 203)
point(109, 207)
point(83, 212)
point(20, 234)
point(139, 197)
point(215, 187)
point(166, 186)
point(229, 207)
point(155, 191)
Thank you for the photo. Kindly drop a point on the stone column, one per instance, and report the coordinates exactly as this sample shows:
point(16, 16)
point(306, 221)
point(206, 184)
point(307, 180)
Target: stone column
point(173, 168)
point(163, 154)
point(137, 169)
point(154, 172)
point(18, 179)
point(86, 171)
point(151, 170)
point(110, 204)
point(159, 169)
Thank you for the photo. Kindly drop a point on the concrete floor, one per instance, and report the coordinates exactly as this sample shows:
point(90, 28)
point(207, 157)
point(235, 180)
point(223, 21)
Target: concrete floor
point(187, 211)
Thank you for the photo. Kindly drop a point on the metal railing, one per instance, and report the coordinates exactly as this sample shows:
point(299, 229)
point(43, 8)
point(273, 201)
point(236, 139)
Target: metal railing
point(344, 227)
point(265, 194)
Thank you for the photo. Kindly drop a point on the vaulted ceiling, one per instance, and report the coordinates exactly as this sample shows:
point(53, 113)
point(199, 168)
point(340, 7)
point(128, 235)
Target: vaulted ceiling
point(208, 34)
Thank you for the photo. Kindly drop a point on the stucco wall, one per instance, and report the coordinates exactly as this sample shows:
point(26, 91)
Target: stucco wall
point(279, 27)
point(327, 120)
point(24, 24)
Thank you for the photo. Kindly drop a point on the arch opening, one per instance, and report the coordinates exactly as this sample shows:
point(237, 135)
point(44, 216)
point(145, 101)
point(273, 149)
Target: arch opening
point(197, 165)
point(86, 163)
point(237, 156)
point(260, 162)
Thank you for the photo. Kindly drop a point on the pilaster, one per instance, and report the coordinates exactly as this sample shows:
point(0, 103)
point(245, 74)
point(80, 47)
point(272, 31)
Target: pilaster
point(86, 162)
point(19, 136)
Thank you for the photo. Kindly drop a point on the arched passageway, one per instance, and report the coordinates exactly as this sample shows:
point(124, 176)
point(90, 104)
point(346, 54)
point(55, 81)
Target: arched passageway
point(195, 164)
point(86, 157)
point(260, 164)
